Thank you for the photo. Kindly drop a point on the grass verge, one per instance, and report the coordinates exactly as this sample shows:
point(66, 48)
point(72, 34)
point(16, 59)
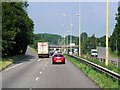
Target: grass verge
point(113, 54)
point(33, 49)
point(99, 78)
point(110, 66)
point(5, 62)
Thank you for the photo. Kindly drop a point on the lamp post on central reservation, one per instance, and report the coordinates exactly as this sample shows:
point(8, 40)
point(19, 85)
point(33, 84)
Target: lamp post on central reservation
point(70, 31)
point(79, 34)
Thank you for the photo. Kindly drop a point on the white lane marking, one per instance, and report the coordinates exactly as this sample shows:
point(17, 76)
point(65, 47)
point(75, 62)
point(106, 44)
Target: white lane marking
point(36, 78)
point(45, 65)
point(39, 60)
point(13, 67)
point(40, 72)
point(43, 68)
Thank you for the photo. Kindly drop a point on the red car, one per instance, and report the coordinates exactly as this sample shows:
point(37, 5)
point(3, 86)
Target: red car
point(58, 58)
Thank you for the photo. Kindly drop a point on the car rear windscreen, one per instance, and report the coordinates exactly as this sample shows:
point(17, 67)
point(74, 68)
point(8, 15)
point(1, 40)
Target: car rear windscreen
point(58, 55)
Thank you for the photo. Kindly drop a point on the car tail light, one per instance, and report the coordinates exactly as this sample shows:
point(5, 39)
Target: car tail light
point(62, 58)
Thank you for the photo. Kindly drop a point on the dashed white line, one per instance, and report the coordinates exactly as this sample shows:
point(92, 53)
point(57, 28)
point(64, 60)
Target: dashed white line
point(40, 72)
point(43, 68)
point(39, 60)
point(36, 78)
point(45, 65)
point(13, 67)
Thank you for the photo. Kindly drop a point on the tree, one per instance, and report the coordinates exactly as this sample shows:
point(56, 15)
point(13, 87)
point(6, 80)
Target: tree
point(115, 37)
point(84, 36)
point(118, 32)
point(51, 38)
point(88, 44)
point(74, 39)
point(17, 28)
point(103, 41)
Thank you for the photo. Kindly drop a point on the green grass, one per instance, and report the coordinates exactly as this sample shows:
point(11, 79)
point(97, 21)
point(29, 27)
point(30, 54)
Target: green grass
point(113, 54)
point(110, 66)
point(13, 58)
point(4, 62)
point(99, 78)
point(33, 49)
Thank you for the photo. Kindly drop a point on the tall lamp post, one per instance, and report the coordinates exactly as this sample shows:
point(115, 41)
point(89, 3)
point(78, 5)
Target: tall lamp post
point(64, 44)
point(63, 39)
point(70, 31)
point(79, 33)
point(106, 61)
point(67, 39)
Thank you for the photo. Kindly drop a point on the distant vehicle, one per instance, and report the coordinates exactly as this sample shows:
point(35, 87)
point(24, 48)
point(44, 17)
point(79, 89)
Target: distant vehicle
point(70, 53)
point(55, 52)
point(58, 58)
point(75, 51)
point(94, 53)
point(51, 53)
point(43, 49)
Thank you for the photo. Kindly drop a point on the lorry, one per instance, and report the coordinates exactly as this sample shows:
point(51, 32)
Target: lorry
point(43, 50)
point(94, 53)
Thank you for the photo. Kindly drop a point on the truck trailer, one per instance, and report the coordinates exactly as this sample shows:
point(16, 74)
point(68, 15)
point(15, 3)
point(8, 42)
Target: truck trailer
point(43, 50)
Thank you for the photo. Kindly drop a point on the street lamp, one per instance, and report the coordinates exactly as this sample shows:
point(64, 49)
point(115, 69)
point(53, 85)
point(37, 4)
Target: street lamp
point(63, 47)
point(106, 61)
point(67, 41)
point(79, 34)
point(64, 44)
point(70, 31)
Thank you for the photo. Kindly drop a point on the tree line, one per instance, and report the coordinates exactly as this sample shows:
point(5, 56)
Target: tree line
point(53, 39)
point(115, 37)
point(17, 28)
point(87, 42)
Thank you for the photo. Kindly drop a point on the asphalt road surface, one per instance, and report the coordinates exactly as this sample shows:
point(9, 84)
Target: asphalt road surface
point(33, 72)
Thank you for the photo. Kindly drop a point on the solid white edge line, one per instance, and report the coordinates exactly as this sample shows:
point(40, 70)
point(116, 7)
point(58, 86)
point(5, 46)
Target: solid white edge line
point(13, 67)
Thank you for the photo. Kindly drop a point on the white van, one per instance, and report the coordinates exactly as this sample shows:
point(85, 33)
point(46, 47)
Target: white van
point(94, 53)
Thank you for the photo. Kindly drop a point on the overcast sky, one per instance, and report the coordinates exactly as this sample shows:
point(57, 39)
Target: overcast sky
point(48, 18)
